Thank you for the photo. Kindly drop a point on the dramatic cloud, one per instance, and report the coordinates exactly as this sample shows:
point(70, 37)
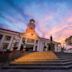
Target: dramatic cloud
point(53, 17)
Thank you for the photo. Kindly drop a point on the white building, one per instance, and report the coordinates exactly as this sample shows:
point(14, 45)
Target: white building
point(8, 39)
point(28, 40)
point(68, 45)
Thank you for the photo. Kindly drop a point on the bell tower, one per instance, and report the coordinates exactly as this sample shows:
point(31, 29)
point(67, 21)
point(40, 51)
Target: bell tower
point(31, 24)
point(30, 31)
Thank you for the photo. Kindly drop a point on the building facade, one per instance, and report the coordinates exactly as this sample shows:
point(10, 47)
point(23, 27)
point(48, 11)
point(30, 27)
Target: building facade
point(68, 45)
point(68, 40)
point(8, 39)
point(26, 41)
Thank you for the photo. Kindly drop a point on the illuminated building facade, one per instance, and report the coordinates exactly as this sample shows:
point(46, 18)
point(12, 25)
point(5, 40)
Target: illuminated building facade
point(68, 40)
point(8, 39)
point(26, 41)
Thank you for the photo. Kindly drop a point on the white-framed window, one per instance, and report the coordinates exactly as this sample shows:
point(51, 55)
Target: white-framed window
point(5, 45)
point(7, 38)
point(30, 40)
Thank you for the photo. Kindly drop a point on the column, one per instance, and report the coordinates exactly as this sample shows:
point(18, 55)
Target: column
point(10, 43)
point(1, 44)
point(20, 42)
point(56, 48)
point(34, 45)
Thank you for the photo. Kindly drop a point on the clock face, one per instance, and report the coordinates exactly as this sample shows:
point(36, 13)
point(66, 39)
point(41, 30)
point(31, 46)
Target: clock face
point(32, 21)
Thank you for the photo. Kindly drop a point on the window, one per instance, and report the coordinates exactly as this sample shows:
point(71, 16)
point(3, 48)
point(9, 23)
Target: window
point(23, 40)
point(30, 40)
point(15, 44)
point(35, 48)
point(1, 36)
point(5, 45)
point(7, 38)
point(36, 41)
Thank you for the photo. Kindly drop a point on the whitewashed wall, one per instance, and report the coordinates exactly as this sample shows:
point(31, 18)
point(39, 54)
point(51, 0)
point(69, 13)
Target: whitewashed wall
point(40, 46)
point(11, 41)
point(57, 48)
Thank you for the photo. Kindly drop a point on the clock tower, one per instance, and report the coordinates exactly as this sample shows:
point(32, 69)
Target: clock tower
point(31, 24)
point(30, 31)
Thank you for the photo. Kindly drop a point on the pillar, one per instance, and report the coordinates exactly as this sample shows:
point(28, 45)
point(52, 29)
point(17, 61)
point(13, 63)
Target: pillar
point(1, 44)
point(20, 42)
point(10, 43)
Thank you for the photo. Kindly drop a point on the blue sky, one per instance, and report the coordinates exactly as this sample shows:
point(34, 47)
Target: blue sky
point(53, 17)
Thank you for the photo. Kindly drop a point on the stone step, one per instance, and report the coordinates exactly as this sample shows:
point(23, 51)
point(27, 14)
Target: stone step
point(47, 63)
point(59, 64)
point(62, 61)
point(37, 67)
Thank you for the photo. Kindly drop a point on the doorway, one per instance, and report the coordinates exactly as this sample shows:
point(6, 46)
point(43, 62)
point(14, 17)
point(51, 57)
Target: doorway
point(29, 48)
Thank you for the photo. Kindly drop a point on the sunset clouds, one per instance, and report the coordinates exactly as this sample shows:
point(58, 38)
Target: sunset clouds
point(53, 17)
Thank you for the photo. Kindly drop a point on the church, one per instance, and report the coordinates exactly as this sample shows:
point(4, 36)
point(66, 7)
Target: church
point(26, 41)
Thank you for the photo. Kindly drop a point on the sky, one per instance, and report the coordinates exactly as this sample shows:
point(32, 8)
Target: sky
point(53, 17)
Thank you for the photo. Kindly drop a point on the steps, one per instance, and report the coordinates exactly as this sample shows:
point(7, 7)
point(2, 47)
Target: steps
point(56, 64)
